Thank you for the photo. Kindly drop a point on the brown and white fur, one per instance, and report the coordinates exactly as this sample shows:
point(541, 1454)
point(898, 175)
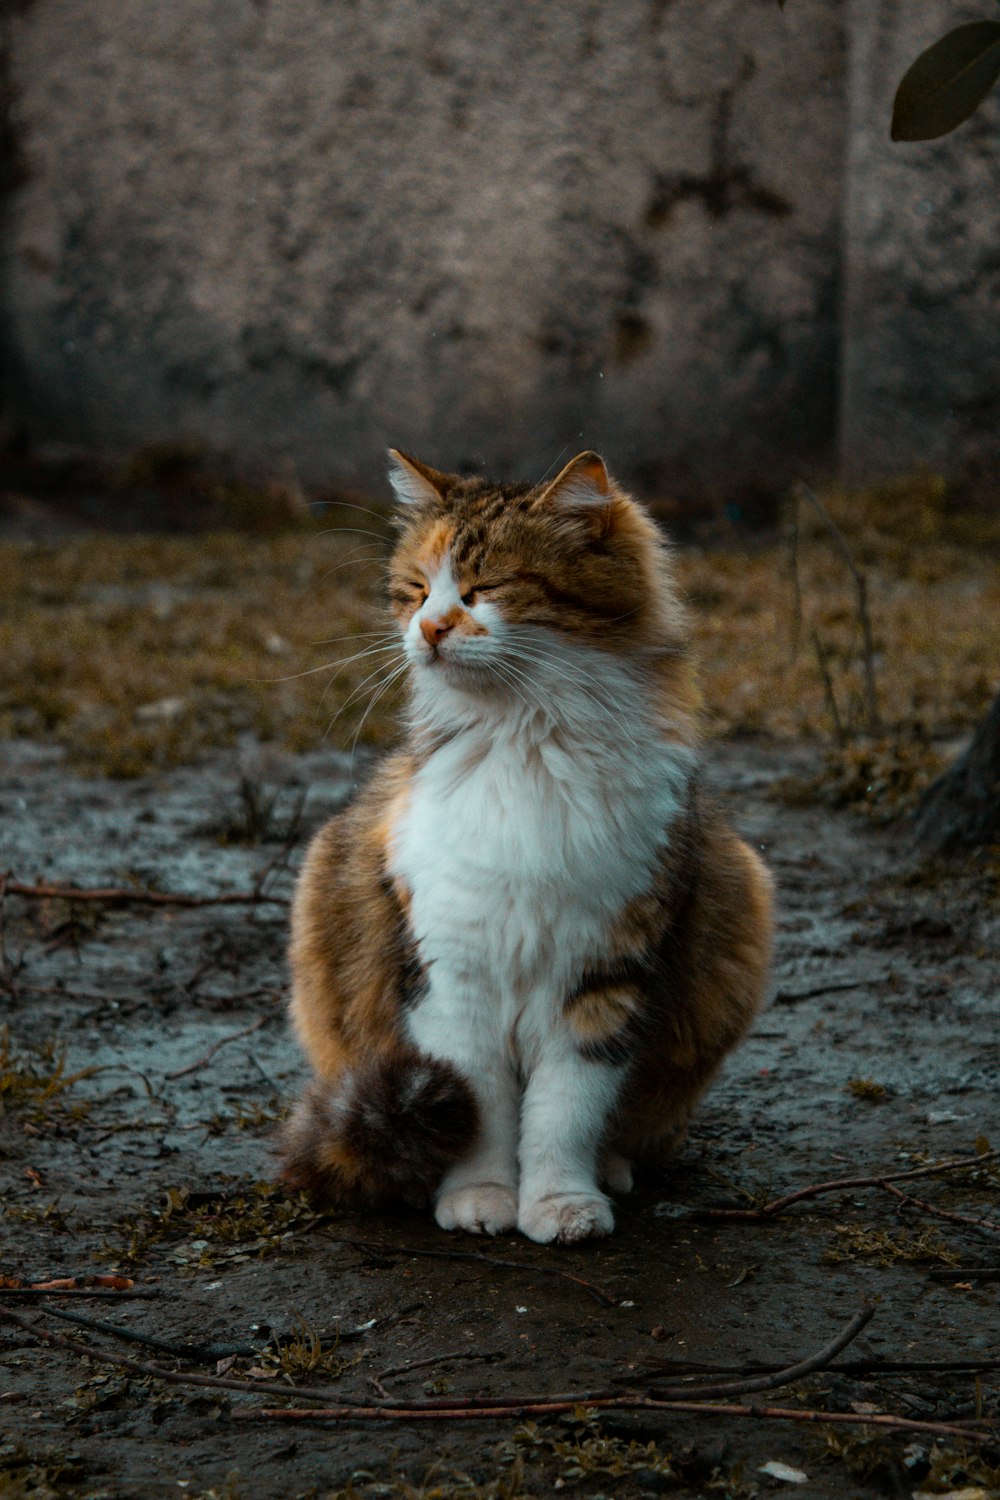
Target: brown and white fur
point(521, 954)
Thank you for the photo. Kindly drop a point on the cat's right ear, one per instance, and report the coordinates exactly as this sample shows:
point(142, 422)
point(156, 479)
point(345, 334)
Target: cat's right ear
point(415, 483)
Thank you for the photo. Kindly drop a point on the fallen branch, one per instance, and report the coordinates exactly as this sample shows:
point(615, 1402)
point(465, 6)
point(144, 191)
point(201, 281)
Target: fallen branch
point(792, 997)
point(842, 1184)
point(143, 1293)
point(148, 1341)
point(60, 1283)
point(418, 1412)
point(481, 1408)
point(222, 1042)
point(667, 1369)
point(157, 1372)
point(786, 1375)
point(124, 896)
point(605, 1298)
point(907, 1201)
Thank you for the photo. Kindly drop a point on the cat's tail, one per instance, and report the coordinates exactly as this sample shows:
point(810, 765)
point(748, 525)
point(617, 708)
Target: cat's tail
point(387, 1129)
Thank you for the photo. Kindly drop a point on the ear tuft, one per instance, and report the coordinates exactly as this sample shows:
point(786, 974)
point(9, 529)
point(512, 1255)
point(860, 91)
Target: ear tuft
point(582, 484)
point(415, 483)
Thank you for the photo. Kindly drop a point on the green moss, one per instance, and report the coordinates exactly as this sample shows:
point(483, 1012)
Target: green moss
point(34, 1080)
point(866, 1088)
point(860, 1242)
point(304, 1357)
point(200, 1229)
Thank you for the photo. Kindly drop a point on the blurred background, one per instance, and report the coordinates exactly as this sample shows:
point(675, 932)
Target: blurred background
point(247, 244)
point(288, 234)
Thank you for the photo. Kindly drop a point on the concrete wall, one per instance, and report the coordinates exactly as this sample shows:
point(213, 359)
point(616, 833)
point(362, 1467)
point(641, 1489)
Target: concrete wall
point(493, 233)
point(921, 331)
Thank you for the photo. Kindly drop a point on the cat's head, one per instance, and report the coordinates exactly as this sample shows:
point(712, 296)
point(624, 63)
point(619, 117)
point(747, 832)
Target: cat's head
point(486, 574)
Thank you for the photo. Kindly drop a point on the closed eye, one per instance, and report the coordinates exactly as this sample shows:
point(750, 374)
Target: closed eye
point(481, 588)
point(403, 592)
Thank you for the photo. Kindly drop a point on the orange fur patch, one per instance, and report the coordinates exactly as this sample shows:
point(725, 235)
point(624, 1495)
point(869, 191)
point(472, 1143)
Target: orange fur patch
point(434, 546)
point(599, 1015)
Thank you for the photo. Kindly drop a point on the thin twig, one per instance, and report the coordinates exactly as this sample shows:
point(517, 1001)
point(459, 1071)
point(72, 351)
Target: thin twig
point(132, 1336)
point(144, 1294)
point(123, 896)
point(222, 1042)
point(489, 1355)
point(841, 1184)
point(668, 1369)
point(67, 994)
point(417, 1412)
point(803, 491)
point(792, 997)
point(986, 1226)
point(143, 1367)
point(790, 1373)
point(292, 836)
point(826, 677)
point(605, 1298)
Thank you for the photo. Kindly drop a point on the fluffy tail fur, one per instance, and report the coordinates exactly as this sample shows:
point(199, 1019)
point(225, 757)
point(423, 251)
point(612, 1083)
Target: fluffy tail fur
point(388, 1129)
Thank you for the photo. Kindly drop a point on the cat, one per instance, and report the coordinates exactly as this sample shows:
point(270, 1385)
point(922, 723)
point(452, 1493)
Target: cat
point(522, 952)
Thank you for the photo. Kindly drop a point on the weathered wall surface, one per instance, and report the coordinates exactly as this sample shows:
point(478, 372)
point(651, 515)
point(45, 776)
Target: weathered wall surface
point(492, 233)
point(921, 336)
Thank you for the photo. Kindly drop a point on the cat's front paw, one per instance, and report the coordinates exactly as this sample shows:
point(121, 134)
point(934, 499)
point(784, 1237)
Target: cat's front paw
point(479, 1208)
point(567, 1217)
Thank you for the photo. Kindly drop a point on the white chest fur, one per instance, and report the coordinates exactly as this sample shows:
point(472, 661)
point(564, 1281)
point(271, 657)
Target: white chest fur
point(527, 833)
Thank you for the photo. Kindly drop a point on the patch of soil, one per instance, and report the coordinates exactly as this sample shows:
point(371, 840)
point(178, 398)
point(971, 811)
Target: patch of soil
point(148, 1061)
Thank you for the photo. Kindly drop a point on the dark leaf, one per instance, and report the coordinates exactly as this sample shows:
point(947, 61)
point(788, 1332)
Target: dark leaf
point(947, 82)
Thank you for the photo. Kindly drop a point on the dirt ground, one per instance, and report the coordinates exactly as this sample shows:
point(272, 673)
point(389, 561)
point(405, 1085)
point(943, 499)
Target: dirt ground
point(140, 1107)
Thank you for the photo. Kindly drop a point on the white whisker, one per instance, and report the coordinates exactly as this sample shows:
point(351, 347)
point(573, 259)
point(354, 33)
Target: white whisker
point(356, 635)
point(326, 666)
point(373, 651)
point(589, 685)
point(368, 561)
point(382, 666)
point(355, 531)
point(380, 681)
point(380, 693)
point(558, 460)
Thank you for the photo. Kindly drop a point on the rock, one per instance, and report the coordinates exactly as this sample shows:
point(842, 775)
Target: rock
point(775, 1469)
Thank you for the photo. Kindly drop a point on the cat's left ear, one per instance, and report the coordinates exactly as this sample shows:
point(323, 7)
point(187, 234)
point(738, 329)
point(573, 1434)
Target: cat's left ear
point(584, 487)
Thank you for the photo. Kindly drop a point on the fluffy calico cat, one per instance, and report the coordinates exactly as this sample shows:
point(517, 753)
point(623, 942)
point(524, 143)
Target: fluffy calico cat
point(523, 951)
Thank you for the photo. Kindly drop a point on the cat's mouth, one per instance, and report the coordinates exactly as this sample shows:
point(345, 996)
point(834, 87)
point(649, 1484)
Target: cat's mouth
point(438, 659)
point(444, 659)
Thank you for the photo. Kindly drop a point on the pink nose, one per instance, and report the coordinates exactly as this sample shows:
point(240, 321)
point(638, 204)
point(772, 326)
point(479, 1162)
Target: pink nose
point(434, 630)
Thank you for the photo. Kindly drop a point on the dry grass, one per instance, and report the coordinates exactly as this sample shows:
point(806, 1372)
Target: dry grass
point(140, 652)
point(934, 590)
